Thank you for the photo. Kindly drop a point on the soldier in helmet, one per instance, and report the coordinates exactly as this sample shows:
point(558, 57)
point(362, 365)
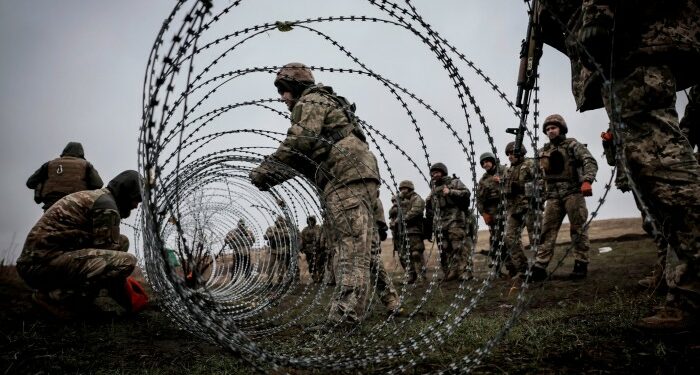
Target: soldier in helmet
point(385, 287)
point(409, 220)
point(325, 131)
point(394, 227)
point(74, 254)
point(655, 53)
point(519, 190)
point(240, 240)
point(64, 175)
point(280, 236)
point(447, 206)
point(569, 169)
point(488, 194)
point(310, 246)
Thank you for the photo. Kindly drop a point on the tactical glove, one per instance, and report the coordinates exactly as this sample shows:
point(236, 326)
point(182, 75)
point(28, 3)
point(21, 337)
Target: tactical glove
point(586, 189)
point(488, 219)
point(258, 180)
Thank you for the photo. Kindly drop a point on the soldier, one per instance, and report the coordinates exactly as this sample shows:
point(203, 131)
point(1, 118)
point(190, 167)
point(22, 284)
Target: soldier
point(410, 220)
point(74, 254)
point(488, 196)
point(310, 245)
point(394, 227)
point(64, 175)
point(325, 130)
point(446, 206)
point(327, 248)
point(279, 236)
point(655, 54)
point(240, 240)
point(519, 190)
point(569, 169)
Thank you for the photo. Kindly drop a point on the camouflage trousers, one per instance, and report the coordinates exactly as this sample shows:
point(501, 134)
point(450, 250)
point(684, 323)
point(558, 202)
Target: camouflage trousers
point(317, 265)
point(351, 214)
point(573, 206)
point(382, 280)
point(455, 254)
point(516, 260)
point(80, 272)
point(663, 168)
point(411, 254)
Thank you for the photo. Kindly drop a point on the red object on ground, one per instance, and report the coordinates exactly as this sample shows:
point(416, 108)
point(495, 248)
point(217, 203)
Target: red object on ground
point(137, 295)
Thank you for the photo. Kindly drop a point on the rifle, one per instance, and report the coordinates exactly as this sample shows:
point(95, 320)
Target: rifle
point(530, 53)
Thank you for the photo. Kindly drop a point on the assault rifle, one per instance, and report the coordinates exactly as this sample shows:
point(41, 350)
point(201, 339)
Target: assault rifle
point(530, 53)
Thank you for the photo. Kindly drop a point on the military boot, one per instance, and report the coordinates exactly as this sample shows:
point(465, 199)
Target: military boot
point(580, 270)
point(538, 274)
point(668, 319)
point(654, 281)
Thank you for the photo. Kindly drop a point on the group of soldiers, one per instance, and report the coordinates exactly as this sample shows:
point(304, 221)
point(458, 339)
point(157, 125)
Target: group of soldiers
point(76, 245)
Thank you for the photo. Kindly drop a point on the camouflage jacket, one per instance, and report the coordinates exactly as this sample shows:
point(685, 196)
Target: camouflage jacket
point(645, 32)
point(566, 164)
point(316, 117)
point(240, 238)
point(280, 237)
point(411, 213)
point(488, 194)
point(85, 219)
point(393, 216)
point(452, 207)
point(519, 187)
point(310, 239)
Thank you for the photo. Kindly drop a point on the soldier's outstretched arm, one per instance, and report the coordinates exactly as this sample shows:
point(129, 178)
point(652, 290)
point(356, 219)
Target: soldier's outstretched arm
point(39, 176)
point(589, 164)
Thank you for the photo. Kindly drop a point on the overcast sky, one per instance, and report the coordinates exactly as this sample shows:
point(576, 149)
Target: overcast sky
point(73, 71)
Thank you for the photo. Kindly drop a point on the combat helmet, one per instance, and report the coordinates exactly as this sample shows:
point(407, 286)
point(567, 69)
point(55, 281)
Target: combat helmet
point(294, 72)
point(486, 156)
point(439, 167)
point(510, 147)
point(557, 120)
point(406, 184)
point(311, 220)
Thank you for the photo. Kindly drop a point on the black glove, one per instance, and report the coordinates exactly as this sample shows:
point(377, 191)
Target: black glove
point(596, 44)
point(382, 233)
point(259, 180)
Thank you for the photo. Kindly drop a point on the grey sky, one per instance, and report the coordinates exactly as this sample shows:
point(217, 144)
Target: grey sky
point(73, 71)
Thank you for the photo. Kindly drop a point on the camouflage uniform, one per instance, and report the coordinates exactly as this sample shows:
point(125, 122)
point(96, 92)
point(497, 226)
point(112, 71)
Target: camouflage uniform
point(488, 195)
point(518, 188)
point(280, 236)
point(656, 53)
point(410, 222)
point(240, 240)
point(327, 248)
point(385, 287)
point(394, 227)
point(450, 224)
point(566, 164)
point(325, 131)
point(310, 246)
point(64, 175)
point(75, 249)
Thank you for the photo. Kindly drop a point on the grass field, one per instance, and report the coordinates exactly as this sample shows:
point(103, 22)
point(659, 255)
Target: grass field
point(568, 327)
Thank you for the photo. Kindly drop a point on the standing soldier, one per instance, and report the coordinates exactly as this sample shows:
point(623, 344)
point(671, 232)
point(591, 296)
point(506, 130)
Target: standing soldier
point(569, 169)
point(394, 227)
point(328, 250)
point(488, 195)
point(410, 220)
point(310, 246)
point(655, 54)
point(74, 253)
point(240, 240)
point(325, 129)
point(519, 189)
point(64, 175)
point(279, 236)
point(446, 206)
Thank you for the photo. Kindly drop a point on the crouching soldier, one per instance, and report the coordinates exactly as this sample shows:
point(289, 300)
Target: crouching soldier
point(74, 255)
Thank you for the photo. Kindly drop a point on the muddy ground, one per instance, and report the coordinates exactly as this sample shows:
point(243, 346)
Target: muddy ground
point(568, 327)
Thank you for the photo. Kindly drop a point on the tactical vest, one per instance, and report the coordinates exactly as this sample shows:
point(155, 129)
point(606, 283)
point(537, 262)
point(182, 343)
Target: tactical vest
point(416, 222)
point(331, 136)
point(559, 162)
point(66, 175)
